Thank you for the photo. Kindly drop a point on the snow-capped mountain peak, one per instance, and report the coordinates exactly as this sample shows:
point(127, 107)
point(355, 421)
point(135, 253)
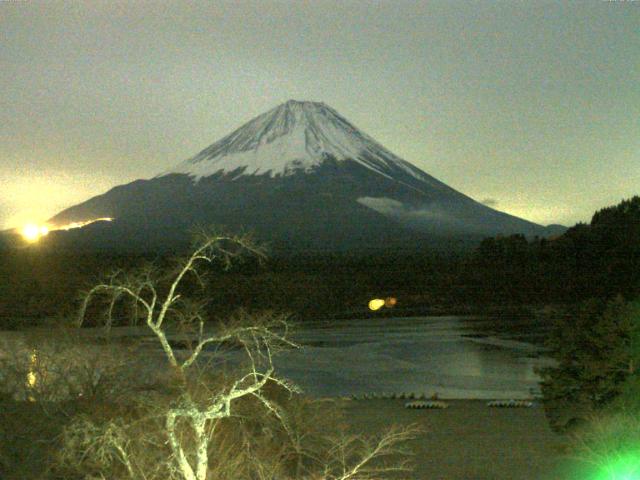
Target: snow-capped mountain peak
point(296, 135)
point(323, 185)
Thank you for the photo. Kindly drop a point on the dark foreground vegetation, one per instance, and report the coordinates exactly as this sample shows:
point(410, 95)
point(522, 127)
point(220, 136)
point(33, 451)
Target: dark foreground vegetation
point(77, 404)
point(598, 260)
point(588, 280)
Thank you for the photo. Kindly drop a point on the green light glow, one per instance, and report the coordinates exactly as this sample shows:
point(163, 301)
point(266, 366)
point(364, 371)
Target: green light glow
point(624, 465)
point(621, 467)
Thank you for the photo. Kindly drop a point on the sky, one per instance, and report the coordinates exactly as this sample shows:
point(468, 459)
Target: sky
point(530, 107)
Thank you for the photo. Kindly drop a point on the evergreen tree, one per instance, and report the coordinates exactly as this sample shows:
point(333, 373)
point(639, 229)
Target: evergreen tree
point(595, 351)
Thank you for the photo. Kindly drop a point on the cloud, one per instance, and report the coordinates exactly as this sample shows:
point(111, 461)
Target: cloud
point(434, 215)
point(386, 206)
point(489, 202)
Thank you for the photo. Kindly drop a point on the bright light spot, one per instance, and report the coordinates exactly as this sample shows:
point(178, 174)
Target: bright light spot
point(620, 467)
point(31, 376)
point(31, 379)
point(376, 304)
point(620, 463)
point(31, 232)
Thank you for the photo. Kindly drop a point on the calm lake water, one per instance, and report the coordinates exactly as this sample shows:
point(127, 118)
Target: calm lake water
point(455, 357)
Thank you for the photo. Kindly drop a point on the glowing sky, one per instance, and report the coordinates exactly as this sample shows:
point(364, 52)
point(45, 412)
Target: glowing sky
point(533, 107)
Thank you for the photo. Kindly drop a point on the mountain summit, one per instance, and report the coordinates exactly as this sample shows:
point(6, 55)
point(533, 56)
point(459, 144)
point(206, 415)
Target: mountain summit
point(303, 178)
point(293, 136)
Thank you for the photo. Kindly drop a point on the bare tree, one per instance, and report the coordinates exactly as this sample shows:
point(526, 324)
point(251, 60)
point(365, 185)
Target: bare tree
point(58, 364)
point(259, 341)
point(354, 457)
point(192, 417)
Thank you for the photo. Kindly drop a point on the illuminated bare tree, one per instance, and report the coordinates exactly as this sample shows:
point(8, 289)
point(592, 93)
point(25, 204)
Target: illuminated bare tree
point(191, 417)
point(259, 341)
point(354, 457)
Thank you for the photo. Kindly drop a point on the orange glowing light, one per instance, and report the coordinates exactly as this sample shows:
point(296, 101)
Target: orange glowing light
point(390, 302)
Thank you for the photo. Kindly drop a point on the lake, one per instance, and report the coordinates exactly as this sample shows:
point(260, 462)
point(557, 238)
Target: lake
point(453, 356)
point(462, 357)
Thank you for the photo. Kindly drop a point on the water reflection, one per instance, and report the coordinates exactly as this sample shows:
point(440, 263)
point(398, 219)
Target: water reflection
point(454, 357)
point(32, 378)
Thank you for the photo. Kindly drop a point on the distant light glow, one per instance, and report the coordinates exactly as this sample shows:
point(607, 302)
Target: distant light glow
point(32, 379)
point(390, 302)
point(376, 304)
point(620, 467)
point(606, 462)
point(73, 225)
point(32, 232)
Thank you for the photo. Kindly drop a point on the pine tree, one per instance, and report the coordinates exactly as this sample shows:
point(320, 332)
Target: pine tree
point(596, 352)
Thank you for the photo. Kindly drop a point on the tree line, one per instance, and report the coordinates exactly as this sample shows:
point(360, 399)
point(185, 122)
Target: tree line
point(596, 260)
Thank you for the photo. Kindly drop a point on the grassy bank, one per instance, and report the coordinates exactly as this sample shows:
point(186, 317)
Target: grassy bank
point(468, 440)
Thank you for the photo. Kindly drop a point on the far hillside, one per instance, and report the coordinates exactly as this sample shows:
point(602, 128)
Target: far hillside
point(599, 259)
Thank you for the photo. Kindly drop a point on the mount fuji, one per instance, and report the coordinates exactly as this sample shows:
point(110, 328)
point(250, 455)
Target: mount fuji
point(303, 179)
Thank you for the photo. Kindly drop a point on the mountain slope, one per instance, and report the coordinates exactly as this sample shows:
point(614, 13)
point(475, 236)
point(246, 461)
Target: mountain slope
point(300, 176)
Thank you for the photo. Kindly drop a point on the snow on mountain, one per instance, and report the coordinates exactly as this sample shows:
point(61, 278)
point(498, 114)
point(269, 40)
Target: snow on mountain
point(301, 177)
point(293, 136)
